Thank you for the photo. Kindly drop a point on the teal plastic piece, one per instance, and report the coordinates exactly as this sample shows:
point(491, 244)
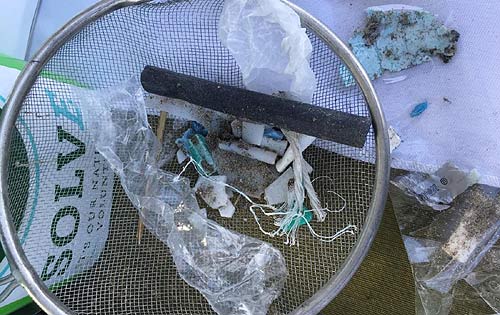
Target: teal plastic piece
point(199, 152)
point(306, 218)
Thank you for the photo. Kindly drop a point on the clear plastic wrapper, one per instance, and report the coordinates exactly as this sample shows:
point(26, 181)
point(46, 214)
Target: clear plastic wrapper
point(237, 274)
point(449, 246)
point(485, 278)
point(439, 189)
point(267, 41)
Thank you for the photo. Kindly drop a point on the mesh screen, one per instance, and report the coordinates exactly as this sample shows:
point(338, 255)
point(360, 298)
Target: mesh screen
point(116, 275)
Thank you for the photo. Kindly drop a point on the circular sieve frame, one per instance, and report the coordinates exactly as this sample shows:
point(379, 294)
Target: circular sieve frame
point(24, 272)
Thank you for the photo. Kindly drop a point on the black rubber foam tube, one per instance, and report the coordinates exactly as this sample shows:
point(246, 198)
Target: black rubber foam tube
point(323, 123)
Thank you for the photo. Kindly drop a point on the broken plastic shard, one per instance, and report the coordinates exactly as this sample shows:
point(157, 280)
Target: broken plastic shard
point(394, 139)
point(237, 274)
point(439, 189)
point(181, 156)
point(213, 191)
point(252, 133)
point(399, 37)
point(236, 128)
point(273, 133)
point(419, 109)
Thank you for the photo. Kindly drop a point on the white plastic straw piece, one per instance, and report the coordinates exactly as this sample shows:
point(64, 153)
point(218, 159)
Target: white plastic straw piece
point(278, 146)
point(250, 151)
point(236, 128)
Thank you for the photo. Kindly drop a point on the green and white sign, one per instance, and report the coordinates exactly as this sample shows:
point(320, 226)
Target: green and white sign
point(61, 189)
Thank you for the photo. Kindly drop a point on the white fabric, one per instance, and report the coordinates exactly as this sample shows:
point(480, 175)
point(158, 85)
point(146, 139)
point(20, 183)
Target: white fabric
point(464, 131)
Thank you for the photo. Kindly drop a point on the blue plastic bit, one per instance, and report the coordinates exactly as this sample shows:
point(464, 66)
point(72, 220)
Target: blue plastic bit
point(199, 128)
point(419, 109)
point(273, 133)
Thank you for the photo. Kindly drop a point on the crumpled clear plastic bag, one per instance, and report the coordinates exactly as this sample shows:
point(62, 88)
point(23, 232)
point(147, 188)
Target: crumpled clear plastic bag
point(272, 49)
point(449, 246)
point(485, 278)
point(237, 274)
point(439, 189)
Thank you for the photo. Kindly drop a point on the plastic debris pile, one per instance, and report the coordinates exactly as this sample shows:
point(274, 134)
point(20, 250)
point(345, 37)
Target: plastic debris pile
point(236, 273)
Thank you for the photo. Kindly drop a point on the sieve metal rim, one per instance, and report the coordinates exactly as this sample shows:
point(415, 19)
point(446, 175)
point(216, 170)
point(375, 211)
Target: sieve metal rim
point(24, 272)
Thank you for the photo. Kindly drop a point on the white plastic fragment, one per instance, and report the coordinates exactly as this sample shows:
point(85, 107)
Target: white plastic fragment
point(419, 250)
point(181, 156)
point(236, 128)
point(287, 159)
point(227, 211)
point(213, 191)
point(277, 192)
point(252, 133)
point(394, 139)
point(249, 151)
point(278, 146)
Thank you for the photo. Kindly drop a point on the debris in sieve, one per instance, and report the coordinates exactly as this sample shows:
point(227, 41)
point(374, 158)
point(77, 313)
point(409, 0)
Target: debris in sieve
point(419, 109)
point(213, 191)
point(397, 37)
point(272, 49)
point(237, 274)
point(439, 189)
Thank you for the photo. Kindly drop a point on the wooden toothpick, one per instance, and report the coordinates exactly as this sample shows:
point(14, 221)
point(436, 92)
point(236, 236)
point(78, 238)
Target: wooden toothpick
point(159, 135)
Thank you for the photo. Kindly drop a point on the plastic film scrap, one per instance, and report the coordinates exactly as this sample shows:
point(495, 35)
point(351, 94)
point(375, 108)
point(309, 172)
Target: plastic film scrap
point(237, 274)
point(452, 247)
